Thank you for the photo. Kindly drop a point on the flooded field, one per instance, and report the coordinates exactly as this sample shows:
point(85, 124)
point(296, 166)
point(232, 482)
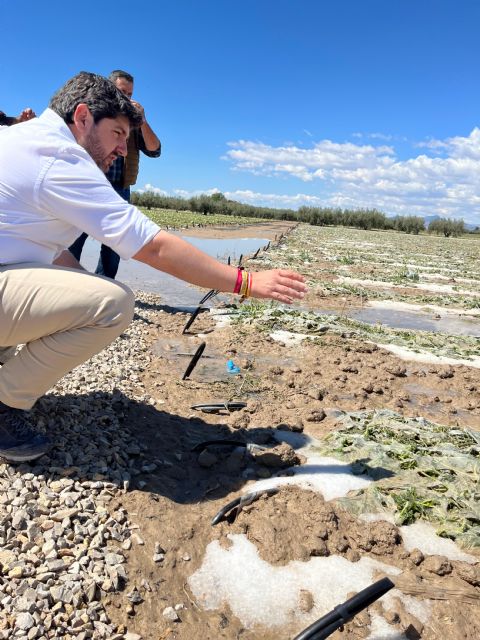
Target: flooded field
point(312, 451)
point(368, 393)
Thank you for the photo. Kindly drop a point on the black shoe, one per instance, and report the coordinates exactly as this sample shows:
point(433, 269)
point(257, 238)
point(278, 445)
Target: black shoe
point(18, 442)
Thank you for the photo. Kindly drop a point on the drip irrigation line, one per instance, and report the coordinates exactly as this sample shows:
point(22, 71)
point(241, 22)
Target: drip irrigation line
point(191, 320)
point(193, 362)
point(240, 502)
point(211, 294)
point(343, 613)
point(214, 407)
point(217, 443)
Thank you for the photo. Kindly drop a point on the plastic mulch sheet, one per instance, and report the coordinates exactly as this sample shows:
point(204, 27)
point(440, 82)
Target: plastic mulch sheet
point(422, 470)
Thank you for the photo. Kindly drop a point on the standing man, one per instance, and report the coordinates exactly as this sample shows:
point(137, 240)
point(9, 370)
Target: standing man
point(52, 183)
point(123, 172)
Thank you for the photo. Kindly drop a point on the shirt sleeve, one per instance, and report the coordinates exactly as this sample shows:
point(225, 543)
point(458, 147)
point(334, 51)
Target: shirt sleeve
point(141, 145)
point(73, 189)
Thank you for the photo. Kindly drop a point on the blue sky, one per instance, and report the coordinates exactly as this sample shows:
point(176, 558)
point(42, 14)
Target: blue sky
point(348, 103)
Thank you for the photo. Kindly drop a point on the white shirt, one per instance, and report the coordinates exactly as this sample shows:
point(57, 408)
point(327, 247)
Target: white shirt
point(51, 190)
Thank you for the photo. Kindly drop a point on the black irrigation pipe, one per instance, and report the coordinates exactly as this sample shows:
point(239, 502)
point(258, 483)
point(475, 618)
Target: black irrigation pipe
point(218, 443)
point(343, 613)
point(191, 319)
point(249, 446)
point(211, 294)
point(188, 355)
point(240, 502)
point(215, 407)
point(196, 357)
point(208, 296)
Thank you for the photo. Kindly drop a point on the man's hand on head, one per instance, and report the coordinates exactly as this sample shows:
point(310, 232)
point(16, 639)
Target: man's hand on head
point(139, 108)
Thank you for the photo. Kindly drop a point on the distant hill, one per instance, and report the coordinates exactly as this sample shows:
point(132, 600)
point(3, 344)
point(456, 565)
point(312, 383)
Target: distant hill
point(429, 219)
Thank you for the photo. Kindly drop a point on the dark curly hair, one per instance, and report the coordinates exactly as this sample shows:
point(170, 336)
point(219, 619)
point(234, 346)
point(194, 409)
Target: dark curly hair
point(100, 95)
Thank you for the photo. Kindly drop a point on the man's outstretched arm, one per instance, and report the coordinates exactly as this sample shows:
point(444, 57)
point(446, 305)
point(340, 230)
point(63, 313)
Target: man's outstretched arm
point(179, 258)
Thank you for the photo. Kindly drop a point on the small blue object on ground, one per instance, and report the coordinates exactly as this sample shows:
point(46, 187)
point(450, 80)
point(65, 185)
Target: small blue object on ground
point(232, 367)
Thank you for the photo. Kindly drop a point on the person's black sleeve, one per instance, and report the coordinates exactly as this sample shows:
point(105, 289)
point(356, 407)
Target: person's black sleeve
point(141, 145)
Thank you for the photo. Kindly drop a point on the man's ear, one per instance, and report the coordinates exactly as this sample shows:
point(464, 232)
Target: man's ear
point(82, 118)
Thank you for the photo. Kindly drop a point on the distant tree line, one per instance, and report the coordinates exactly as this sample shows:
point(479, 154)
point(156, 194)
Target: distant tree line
point(320, 216)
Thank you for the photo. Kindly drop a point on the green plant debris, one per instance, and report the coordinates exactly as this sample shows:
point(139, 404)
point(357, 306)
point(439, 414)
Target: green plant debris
point(422, 470)
point(388, 265)
point(171, 219)
point(269, 316)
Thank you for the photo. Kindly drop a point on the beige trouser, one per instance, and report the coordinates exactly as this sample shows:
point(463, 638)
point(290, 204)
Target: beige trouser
point(63, 316)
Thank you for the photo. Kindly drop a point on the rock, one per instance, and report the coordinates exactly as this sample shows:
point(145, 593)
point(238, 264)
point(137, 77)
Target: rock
point(114, 558)
point(158, 557)
point(239, 420)
point(19, 520)
point(319, 548)
point(281, 456)
point(437, 564)
point(468, 572)
point(276, 370)
point(24, 621)
point(416, 556)
point(306, 601)
point(170, 614)
point(447, 373)
point(398, 371)
point(16, 572)
point(316, 393)
point(391, 616)
point(134, 596)
point(207, 459)
point(316, 416)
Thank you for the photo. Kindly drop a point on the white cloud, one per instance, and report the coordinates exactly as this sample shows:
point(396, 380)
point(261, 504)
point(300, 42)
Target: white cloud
point(363, 175)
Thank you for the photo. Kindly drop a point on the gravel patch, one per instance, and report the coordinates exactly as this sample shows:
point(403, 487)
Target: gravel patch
point(62, 549)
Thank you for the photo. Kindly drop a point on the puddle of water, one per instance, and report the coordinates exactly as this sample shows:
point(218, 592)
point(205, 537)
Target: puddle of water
point(212, 366)
point(174, 292)
point(222, 248)
point(418, 321)
point(421, 397)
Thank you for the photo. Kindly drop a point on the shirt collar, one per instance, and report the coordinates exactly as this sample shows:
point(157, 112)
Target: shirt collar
point(49, 116)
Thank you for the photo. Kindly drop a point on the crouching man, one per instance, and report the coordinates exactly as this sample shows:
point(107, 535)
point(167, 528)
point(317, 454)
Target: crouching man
point(52, 187)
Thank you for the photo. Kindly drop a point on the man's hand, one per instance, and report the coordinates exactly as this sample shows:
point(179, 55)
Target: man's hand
point(278, 284)
point(27, 114)
point(140, 109)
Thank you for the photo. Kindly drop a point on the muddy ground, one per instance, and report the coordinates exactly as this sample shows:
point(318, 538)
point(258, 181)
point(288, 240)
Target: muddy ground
point(288, 388)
